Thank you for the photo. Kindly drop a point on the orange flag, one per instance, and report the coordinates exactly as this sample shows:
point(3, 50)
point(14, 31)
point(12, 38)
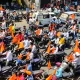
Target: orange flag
point(75, 49)
point(49, 77)
point(76, 43)
point(2, 47)
point(12, 34)
point(49, 65)
point(48, 49)
point(18, 41)
point(14, 40)
point(10, 29)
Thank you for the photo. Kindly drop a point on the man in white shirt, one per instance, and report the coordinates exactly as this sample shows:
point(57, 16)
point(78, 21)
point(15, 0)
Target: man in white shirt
point(33, 48)
point(26, 43)
point(51, 34)
point(2, 34)
point(9, 56)
point(31, 20)
point(56, 40)
point(66, 34)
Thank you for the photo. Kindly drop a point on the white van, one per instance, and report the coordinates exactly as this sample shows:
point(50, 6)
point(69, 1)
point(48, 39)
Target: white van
point(44, 17)
point(66, 15)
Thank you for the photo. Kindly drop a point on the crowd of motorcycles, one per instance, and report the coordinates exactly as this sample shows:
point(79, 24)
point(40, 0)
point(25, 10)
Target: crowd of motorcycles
point(39, 59)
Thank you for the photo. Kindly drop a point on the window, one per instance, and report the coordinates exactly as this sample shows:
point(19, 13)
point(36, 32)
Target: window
point(52, 15)
point(40, 17)
point(46, 16)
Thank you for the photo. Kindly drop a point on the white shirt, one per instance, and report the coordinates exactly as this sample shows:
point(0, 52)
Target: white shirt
point(31, 20)
point(26, 44)
point(8, 55)
point(56, 50)
point(66, 34)
point(33, 49)
point(57, 41)
point(4, 25)
point(51, 34)
point(58, 21)
point(1, 13)
point(41, 32)
point(31, 56)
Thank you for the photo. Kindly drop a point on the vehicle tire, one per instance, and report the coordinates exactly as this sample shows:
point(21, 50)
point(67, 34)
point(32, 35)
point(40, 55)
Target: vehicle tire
point(41, 46)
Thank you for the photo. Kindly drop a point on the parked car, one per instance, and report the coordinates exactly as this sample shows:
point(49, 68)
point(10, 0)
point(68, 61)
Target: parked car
point(44, 17)
point(66, 15)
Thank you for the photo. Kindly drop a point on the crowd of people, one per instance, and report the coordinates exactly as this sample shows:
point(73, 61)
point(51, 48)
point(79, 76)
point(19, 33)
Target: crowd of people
point(21, 49)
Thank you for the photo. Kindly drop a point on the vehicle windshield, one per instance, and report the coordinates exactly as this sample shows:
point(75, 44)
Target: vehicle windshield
point(40, 17)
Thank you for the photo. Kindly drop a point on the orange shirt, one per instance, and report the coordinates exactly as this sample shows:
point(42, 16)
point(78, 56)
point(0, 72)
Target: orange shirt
point(18, 78)
point(13, 77)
